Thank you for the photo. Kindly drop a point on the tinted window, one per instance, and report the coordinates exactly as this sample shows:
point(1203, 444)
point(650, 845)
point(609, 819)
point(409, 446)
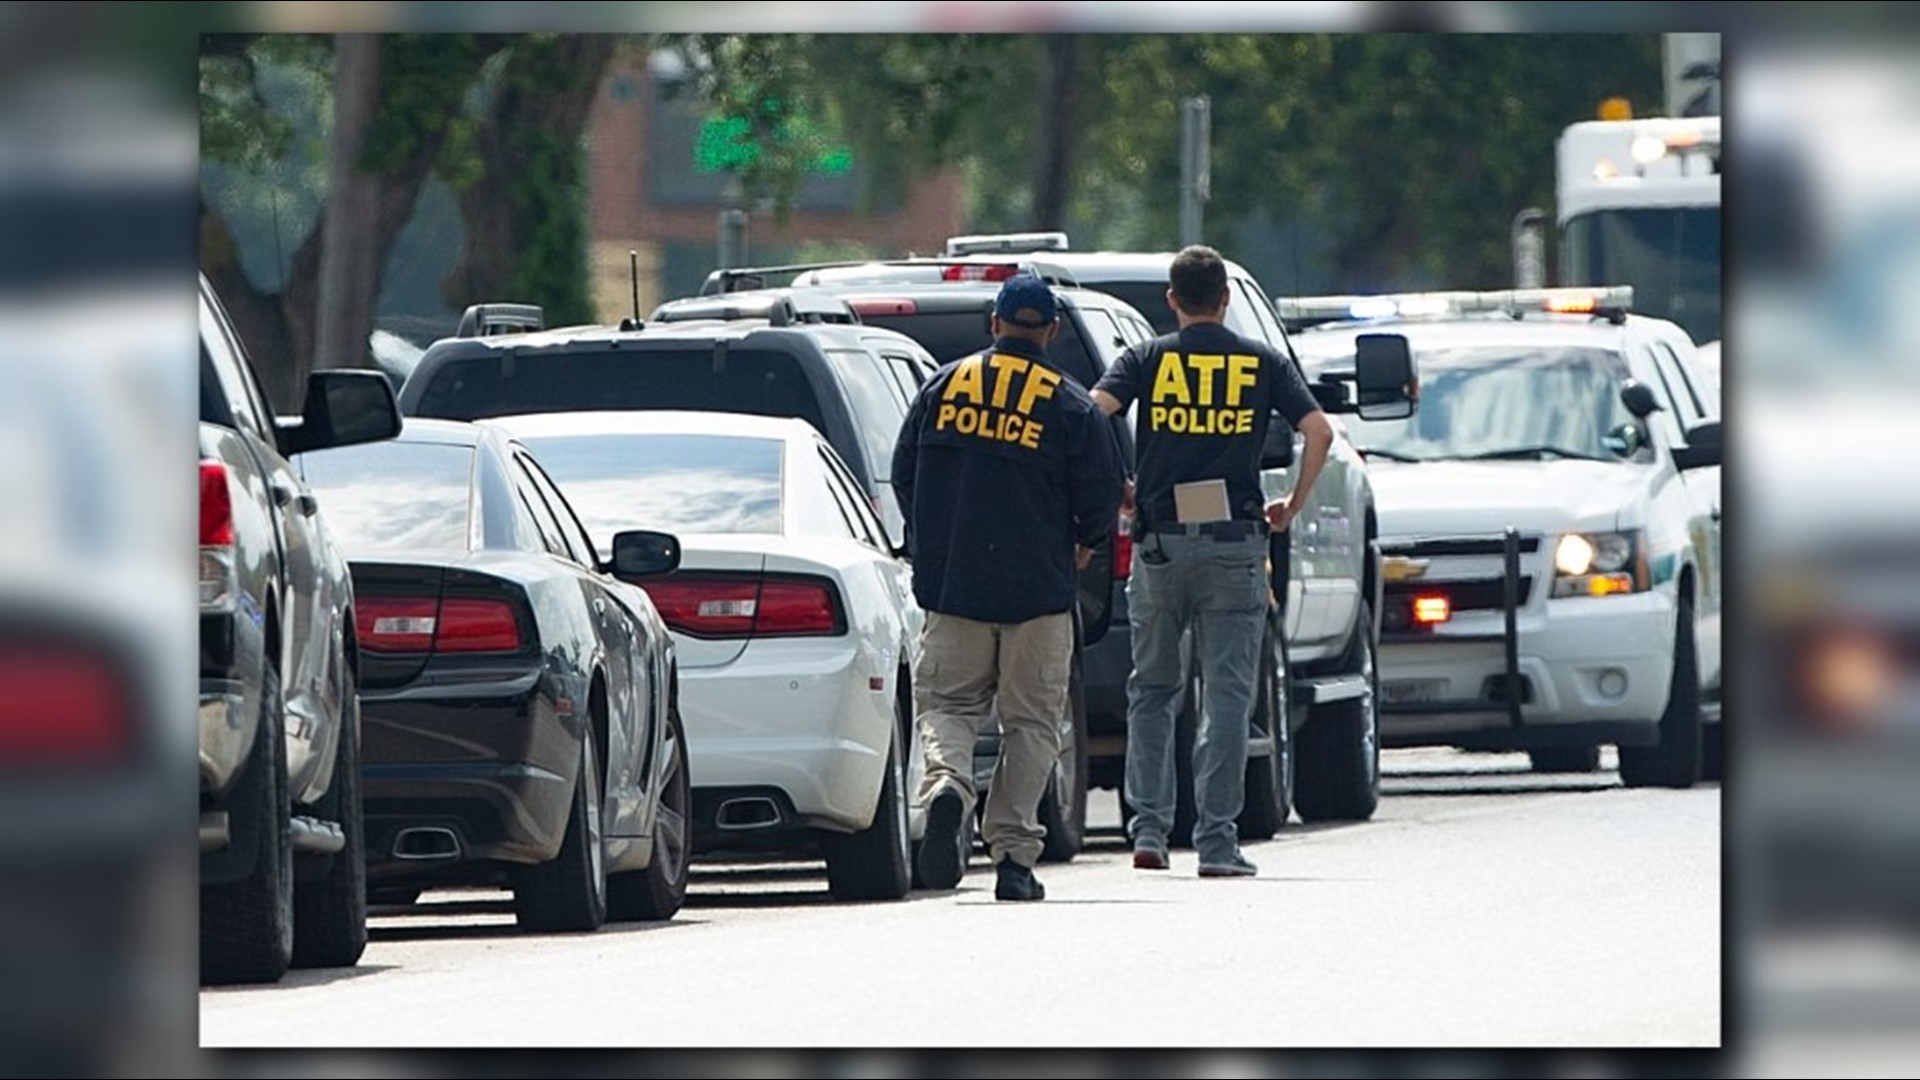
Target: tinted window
point(1489, 401)
point(948, 335)
point(1150, 299)
point(394, 496)
point(570, 528)
point(758, 381)
point(1671, 257)
point(878, 408)
point(670, 483)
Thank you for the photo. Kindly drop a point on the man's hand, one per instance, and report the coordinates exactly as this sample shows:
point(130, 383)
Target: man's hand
point(1126, 499)
point(1081, 556)
point(1280, 514)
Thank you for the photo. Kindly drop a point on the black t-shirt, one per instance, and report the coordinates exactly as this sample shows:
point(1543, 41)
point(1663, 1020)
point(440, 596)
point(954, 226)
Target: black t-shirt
point(1206, 397)
point(1004, 463)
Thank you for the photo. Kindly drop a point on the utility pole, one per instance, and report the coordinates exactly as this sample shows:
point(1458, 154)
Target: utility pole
point(1195, 161)
point(1529, 249)
point(733, 238)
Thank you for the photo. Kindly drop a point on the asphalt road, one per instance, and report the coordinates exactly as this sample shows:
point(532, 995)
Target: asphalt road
point(1483, 906)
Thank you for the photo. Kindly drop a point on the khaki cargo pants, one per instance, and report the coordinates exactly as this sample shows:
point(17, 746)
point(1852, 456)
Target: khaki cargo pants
point(966, 669)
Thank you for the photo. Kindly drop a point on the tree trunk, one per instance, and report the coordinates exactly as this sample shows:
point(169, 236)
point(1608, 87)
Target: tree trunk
point(525, 218)
point(1058, 131)
point(349, 269)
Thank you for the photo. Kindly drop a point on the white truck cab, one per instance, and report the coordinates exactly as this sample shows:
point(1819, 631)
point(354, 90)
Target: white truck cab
point(1549, 528)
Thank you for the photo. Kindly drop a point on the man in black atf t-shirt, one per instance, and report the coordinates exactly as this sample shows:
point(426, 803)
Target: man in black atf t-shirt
point(1206, 396)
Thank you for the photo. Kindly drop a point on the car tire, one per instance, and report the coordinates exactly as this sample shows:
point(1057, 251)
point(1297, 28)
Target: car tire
point(1565, 759)
point(246, 926)
point(1270, 776)
point(657, 892)
point(1674, 761)
point(569, 894)
point(1339, 749)
point(330, 912)
point(1063, 806)
point(876, 863)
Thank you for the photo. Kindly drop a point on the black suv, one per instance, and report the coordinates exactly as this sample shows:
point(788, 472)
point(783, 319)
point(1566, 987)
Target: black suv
point(946, 304)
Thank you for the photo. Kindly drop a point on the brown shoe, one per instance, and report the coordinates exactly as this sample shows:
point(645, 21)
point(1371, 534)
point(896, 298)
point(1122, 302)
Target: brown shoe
point(1147, 857)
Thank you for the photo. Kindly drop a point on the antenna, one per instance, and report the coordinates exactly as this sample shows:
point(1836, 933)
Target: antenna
point(633, 275)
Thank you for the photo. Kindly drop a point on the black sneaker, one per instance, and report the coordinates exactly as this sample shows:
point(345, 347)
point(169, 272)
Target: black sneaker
point(941, 864)
point(1017, 882)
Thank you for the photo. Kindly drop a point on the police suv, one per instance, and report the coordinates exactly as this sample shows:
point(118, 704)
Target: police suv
point(1549, 527)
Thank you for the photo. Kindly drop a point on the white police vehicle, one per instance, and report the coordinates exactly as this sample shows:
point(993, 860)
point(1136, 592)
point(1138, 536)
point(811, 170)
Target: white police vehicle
point(1549, 526)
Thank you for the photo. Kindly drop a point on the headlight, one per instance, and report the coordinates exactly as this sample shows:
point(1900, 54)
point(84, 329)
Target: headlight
point(1599, 564)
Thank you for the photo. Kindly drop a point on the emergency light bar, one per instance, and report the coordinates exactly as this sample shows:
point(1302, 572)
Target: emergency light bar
point(1006, 242)
point(1515, 302)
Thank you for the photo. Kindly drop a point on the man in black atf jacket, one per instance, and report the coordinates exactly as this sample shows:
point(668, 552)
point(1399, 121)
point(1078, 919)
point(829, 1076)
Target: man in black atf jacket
point(1007, 474)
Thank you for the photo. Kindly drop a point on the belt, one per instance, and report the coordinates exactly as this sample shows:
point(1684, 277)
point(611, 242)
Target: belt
point(1214, 530)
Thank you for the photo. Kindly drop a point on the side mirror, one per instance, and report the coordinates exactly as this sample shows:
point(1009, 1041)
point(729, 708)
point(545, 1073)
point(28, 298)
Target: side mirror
point(342, 408)
point(1703, 447)
point(1383, 372)
point(1277, 451)
point(1639, 400)
point(640, 553)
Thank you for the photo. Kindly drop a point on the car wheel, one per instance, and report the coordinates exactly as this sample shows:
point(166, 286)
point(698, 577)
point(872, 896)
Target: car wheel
point(330, 912)
point(246, 926)
point(876, 862)
point(1675, 760)
point(1063, 807)
point(658, 891)
point(1339, 749)
point(1565, 759)
point(1269, 799)
point(569, 894)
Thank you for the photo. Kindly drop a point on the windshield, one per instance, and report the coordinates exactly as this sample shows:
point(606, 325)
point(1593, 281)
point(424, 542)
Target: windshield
point(669, 483)
point(1507, 401)
point(1150, 299)
point(1671, 257)
point(394, 496)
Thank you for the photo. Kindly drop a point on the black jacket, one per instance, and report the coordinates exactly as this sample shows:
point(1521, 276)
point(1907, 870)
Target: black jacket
point(1003, 465)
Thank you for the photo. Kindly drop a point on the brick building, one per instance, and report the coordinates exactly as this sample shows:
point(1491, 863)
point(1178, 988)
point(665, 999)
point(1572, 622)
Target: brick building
point(647, 193)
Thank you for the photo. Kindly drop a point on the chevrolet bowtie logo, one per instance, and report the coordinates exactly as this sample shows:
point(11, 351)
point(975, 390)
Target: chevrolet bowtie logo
point(1401, 568)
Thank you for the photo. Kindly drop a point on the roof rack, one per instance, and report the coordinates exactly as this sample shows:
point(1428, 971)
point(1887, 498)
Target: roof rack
point(953, 268)
point(487, 320)
point(1609, 302)
point(780, 307)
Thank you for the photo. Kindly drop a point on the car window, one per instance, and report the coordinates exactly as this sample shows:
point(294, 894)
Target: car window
point(1681, 388)
point(575, 534)
point(1149, 298)
point(848, 499)
point(245, 408)
point(948, 335)
point(395, 496)
point(764, 382)
point(878, 408)
point(1105, 334)
point(1262, 309)
point(683, 484)
point(536, 508)
point(866, 523)
point(908, 372)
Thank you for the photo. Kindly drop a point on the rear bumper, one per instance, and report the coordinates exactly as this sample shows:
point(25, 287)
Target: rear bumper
point(799, 718)
point(485, 772)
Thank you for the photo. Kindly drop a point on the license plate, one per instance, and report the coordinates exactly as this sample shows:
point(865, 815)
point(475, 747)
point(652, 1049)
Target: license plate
point(1403, 691)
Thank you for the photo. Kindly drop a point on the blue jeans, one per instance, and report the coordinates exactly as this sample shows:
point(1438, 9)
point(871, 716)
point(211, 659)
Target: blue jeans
point(1219, 590)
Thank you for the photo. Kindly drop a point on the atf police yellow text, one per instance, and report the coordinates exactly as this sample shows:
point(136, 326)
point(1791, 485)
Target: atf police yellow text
point(1201, 394)
point(994, 399)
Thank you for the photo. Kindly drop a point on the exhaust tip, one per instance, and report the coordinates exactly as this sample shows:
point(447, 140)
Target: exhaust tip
point(426, 843)
point(754, 812)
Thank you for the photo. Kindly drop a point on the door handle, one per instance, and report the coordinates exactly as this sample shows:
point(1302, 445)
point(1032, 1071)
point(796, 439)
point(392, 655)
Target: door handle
point(307, 504)
point(282, 494)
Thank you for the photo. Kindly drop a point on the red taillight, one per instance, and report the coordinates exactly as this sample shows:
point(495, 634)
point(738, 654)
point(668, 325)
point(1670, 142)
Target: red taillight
point(216, 505)
point(476, 626)
point(61, 705)
point(399, 624)
point(869, 306)
point(705, 607)
point(995, 272)
point(1122, 555)
point(795, 608)
point(746, 607)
